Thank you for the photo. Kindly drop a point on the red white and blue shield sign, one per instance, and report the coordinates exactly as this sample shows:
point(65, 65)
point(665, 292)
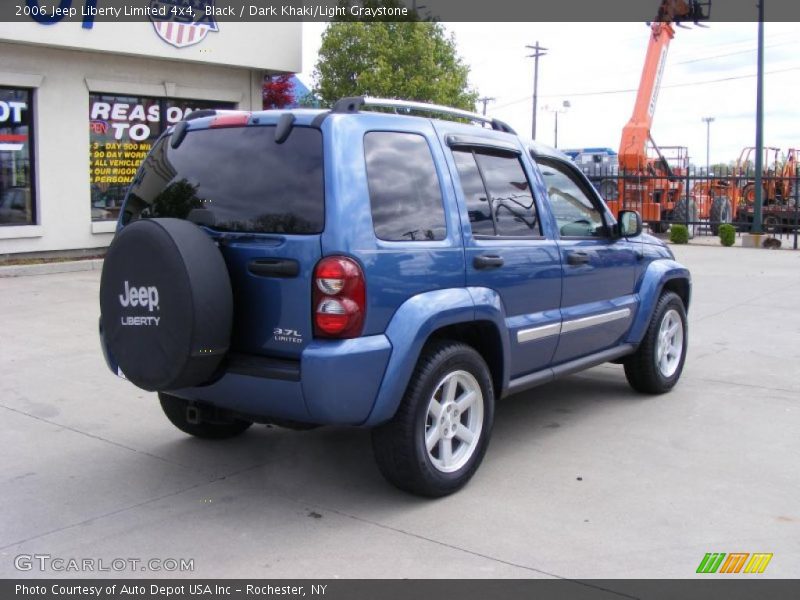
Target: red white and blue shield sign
point(182, 23)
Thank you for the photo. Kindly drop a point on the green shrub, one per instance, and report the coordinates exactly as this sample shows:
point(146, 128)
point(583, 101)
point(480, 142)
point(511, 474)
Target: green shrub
point(679, 234)
point(727, 234)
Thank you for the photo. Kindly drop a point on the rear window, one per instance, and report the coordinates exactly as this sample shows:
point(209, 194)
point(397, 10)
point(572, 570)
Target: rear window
point(234, 179)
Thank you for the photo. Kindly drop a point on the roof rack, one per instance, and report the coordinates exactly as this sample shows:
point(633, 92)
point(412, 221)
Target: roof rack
point(353, 104)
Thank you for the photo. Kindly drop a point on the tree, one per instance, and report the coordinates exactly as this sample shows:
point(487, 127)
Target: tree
point(277, 91)
point(411, 60)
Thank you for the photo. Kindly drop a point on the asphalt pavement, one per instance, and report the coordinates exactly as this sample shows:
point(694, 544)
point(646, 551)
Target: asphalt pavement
point(583, 479)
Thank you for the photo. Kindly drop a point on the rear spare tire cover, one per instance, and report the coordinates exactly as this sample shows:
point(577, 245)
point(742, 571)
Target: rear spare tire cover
point(166, 304)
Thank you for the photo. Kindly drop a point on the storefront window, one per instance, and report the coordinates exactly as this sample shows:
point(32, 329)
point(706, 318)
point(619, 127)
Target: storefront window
point(121, 131)
point(17, 199)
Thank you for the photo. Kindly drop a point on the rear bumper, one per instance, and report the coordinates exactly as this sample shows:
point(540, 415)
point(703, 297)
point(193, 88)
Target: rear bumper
point(334, 383)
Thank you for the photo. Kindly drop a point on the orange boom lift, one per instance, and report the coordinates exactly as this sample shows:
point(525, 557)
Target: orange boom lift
point(648, 182)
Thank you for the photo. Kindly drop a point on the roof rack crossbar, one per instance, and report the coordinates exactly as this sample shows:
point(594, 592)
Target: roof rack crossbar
point(353, 104)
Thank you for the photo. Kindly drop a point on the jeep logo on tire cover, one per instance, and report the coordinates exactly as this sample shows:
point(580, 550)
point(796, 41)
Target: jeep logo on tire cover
point(146, 297)
point(142, 296)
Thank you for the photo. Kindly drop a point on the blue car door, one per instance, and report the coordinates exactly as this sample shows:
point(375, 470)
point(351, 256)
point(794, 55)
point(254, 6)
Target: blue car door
point(505, 249)
point(598, 299)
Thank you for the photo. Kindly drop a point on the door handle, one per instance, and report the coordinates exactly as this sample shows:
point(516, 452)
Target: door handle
point(274, 267)
point(577, 258)
point(488, 261)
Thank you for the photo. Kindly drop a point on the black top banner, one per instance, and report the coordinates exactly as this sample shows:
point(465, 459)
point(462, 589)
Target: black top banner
point(211, 11)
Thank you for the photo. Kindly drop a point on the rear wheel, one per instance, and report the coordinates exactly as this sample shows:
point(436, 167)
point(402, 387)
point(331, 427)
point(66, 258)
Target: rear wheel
point(749, 194)
point(657, 364)
point(659, 226)
point(437, 439)
point(686, 212)
point(609, 189)
point(721, 212)
point(207, 424)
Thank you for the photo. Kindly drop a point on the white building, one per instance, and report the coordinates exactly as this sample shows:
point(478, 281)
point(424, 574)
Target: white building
point(79, 107)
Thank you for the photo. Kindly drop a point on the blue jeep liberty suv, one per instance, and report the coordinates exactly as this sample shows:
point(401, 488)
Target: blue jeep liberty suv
point(379, 268)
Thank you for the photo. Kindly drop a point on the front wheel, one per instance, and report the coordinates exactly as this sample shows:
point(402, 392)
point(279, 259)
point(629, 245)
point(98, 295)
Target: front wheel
point(437, 439)
point(657, 364)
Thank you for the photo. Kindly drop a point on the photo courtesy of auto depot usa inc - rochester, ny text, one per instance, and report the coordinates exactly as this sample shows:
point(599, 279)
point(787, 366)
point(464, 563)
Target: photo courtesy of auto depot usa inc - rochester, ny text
point(167, 591)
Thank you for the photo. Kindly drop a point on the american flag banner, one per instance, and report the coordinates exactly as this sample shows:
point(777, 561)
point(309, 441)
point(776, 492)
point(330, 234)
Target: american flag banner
point(180, 30)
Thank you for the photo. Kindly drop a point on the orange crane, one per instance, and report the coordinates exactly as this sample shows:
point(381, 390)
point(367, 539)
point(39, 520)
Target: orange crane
point(647, 182)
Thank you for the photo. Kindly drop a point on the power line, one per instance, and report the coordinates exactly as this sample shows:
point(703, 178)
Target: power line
point(688, 51)
point(629, 90)
point(747, 51)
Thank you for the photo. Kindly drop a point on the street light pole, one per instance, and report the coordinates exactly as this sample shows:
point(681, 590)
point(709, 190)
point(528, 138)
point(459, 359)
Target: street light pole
point(537, 52)
point(708, 122)
point(555, 133)
point(759, 201)
point(564, 106)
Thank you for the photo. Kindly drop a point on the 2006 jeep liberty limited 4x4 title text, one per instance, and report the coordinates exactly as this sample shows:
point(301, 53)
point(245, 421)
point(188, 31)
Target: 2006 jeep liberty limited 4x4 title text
point(392, 271)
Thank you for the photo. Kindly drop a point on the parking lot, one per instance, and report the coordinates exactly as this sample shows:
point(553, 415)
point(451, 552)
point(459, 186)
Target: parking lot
point(583, 479)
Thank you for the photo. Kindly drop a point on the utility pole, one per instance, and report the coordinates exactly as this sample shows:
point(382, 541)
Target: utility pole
point(708, 122)
point(537, 52)
point(555, 110)
point(485, 100)
point(759, 123)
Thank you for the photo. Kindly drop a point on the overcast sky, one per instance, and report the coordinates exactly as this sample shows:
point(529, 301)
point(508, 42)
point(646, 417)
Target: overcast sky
point(709, 73)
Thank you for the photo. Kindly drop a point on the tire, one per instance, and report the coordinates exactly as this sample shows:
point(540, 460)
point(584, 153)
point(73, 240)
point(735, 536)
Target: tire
point(659, 226)
point(771, 224)
point(646, 371)
point(222, 427)
point(721, 212)
point(166, 304)
point(683, 210)
point(749, 194)
point(400, 448)
point(609, 189)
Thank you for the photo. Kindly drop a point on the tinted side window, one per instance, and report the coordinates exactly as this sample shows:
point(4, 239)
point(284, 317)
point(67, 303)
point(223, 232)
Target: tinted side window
point(575, 213)
point(510, 192)
point(497, 192)
point(480, 214)
point(404, 190)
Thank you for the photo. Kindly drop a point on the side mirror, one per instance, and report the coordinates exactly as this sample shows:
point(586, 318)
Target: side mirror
point(629, 223)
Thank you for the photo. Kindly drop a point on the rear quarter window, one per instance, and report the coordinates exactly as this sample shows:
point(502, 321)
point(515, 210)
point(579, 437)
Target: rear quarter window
point(404, 191)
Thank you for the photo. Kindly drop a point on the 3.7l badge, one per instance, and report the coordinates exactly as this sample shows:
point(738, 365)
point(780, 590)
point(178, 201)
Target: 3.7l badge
point(287, 335)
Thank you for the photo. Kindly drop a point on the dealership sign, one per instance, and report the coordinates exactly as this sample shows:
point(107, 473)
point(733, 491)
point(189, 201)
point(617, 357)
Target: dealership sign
point(180, 25)
point(11, 112)
point(177, 22)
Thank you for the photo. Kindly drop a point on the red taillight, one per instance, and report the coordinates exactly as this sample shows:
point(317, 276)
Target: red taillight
point(231, 119)
point(339, 298)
